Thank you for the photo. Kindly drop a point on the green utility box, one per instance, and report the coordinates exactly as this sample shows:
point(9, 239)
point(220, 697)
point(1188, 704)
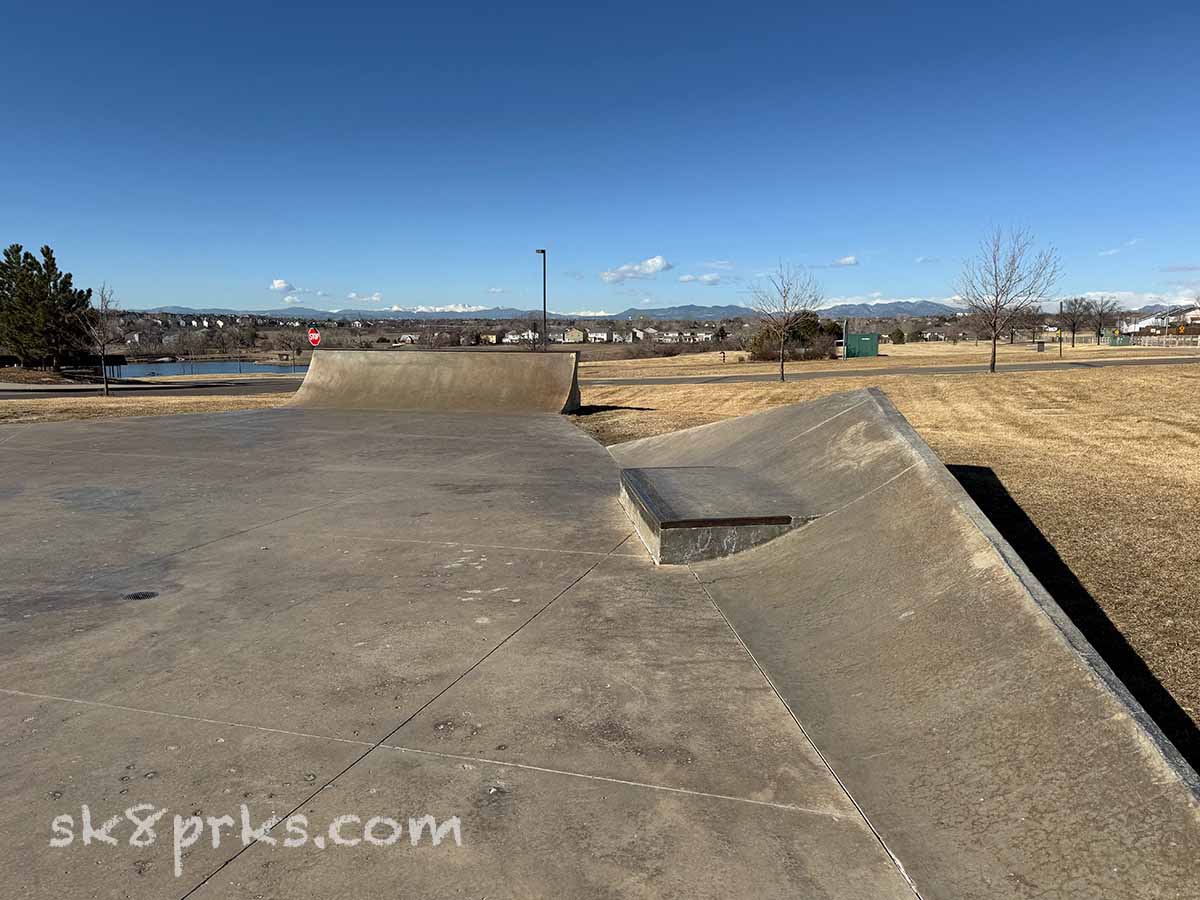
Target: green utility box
point(862, 345)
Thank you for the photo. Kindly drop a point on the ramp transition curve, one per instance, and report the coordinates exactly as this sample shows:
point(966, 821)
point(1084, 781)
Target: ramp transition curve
point(492, 381)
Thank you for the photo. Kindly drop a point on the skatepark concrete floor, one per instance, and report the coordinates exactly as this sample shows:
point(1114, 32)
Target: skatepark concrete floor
point(336, 613)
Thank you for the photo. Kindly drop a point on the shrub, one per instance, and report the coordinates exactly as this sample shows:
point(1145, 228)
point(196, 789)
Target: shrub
point(764, 348)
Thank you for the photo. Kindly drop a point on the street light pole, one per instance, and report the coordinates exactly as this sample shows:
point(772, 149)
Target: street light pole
point(1060, 328)
point(544, 335)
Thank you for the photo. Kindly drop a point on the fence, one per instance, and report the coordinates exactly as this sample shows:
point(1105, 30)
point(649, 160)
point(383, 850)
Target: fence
point(1167, 340)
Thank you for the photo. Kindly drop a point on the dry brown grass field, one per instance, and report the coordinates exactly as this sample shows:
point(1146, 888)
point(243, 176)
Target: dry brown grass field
point(1103, 462)
point(892, 356)
point(58, 409)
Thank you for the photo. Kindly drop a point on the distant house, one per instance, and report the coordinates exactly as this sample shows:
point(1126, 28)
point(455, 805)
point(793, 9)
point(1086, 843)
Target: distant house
point(1167, 320)
point(408, 339)
point(645, 334)
point(575, 336)
point(529, 336)
point(599, 337)
point(134, 337)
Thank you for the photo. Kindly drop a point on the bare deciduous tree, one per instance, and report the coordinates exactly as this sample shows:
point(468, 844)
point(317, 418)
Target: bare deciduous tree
point(788, 297)
point(98, 324)
point(294, 341)
point(1006, 280)
point(1074, 315)
point(1099, 311)
point(1030, 320)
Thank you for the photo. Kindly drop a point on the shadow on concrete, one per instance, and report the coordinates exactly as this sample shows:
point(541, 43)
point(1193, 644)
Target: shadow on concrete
point(1043, 560)
point(588, 410)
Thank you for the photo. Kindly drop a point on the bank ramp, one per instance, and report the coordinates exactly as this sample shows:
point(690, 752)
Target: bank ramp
point(988, 745)
point(489, 381)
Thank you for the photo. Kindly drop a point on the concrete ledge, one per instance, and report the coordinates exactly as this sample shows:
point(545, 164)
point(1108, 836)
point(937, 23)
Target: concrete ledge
point(689, 513)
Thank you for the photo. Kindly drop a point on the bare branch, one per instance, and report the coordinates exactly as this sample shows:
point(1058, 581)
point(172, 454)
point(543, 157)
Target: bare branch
point(1007, 280)
point(789, 295)
point(96, 321)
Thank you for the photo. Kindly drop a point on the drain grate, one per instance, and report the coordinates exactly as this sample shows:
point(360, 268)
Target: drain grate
point(141, 595)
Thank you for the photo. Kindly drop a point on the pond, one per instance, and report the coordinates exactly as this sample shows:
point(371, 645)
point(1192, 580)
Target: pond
point(223, 367)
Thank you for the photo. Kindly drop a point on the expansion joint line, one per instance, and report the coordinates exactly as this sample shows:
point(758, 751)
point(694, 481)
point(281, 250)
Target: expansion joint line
point(817, 750)
point(438, 754)
point(383, 740)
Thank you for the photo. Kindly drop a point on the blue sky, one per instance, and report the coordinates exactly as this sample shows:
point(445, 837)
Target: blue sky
point(416, 157)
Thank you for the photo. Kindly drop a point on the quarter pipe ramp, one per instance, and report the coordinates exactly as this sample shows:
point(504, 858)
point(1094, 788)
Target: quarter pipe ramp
point(442, 380)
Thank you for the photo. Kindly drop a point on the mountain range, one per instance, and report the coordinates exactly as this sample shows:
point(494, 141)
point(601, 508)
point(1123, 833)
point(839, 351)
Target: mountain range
point(685, 313)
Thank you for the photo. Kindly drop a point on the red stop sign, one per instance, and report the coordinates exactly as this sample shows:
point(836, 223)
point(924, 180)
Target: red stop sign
point(314, 336)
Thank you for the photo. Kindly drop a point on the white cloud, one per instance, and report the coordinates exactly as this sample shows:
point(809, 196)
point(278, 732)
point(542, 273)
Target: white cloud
point(291, 299)
point(647, 268)
point(845, 261)
point(1182, 293)
point(710, 279)
point(593, 312)
point(355, 297)
point(495, 290)
point(1115, 250)
point(925, 260)
point(283, 286)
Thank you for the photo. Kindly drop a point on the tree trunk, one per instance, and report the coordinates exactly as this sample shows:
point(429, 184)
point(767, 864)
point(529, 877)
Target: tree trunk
point(1072, 338)
point(992, 365)
point(103, 369)
point(782, 341)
